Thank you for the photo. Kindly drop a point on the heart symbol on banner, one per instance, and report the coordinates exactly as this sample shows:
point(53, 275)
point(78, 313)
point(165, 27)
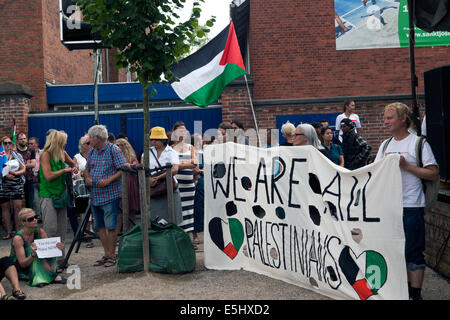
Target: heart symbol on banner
point(236, 231)
point(367, 281)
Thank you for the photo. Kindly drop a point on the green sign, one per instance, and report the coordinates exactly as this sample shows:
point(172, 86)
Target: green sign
point(422, 38)
point(369, 24)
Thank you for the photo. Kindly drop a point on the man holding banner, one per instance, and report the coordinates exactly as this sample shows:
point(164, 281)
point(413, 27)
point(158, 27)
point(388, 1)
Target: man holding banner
point(397, 118)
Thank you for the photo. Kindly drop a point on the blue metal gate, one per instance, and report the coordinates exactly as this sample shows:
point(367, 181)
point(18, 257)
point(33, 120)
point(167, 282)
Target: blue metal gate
point(76, 124)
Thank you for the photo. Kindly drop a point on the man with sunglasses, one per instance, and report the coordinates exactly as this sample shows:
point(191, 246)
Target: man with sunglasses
point(29, 157)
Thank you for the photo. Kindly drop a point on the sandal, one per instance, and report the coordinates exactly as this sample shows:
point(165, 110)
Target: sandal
point(100, 262)
point(90, 245)
point(109, 262)
point(60, 281)
point(8, 236)
point(19, 294)
point(7, 297)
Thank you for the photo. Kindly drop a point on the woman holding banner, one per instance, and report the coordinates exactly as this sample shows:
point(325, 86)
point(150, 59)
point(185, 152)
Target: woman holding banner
point(38, 272)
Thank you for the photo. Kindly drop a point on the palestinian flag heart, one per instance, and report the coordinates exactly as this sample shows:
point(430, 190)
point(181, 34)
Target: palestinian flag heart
point(366, 273)
point(229, 239)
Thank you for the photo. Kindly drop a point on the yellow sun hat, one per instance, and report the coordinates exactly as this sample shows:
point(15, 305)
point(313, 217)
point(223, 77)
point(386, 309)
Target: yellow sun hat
point(158, 133)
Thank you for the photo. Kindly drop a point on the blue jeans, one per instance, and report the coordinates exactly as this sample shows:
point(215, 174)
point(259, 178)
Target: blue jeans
point(106, 216)
point(414, 227)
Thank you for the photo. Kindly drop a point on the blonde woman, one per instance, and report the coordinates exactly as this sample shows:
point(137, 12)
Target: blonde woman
point(133, 181)
point(38, 272)
point(288, 131)
point(52, 193)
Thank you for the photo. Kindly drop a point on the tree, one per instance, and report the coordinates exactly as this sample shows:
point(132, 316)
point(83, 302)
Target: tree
point(147, 37)
point(148, 40)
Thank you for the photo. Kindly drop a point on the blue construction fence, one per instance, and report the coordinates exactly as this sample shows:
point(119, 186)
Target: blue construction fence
point(76, 124)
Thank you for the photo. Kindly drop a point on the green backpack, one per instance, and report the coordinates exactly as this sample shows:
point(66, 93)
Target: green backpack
point(171, 250)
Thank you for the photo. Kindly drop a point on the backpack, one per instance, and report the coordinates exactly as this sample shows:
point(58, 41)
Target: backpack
point(430, 188)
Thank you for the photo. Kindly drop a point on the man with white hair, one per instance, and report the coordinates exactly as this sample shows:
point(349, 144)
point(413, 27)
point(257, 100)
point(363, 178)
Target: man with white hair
point(103, 174)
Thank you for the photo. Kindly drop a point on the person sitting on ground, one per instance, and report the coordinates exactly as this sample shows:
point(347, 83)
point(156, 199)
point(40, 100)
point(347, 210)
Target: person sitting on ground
point(38, 272)
point(8, 270)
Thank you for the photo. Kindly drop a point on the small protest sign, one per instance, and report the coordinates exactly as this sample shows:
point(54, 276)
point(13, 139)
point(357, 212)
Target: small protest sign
point(46, 248)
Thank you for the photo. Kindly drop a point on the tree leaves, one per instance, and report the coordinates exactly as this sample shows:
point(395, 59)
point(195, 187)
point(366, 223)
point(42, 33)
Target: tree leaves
point(145, 33)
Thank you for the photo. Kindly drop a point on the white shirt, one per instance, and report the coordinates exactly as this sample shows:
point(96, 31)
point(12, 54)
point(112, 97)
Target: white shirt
point(81, 161)
point(167, 156)
point(413, 195)
point(354, 117)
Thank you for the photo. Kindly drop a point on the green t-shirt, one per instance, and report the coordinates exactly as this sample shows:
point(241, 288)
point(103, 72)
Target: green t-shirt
point(56, 186)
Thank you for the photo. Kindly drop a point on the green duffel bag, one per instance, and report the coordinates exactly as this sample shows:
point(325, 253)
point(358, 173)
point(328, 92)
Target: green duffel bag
point(171, 250)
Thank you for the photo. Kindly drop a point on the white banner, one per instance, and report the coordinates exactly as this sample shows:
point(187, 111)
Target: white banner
point(291, 214)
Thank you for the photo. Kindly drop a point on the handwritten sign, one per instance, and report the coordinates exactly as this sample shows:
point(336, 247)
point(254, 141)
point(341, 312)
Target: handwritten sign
point(291, 214)
point(46, 248)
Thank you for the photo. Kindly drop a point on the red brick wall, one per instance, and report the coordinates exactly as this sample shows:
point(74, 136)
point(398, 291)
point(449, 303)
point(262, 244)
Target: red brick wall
point(17, 106)
point(61, 65)
point(293, 55)
point(32, 53)
point(21, 54)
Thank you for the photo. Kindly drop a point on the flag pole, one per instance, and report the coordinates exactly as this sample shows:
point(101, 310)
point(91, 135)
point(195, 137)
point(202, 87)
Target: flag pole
point(253, 111)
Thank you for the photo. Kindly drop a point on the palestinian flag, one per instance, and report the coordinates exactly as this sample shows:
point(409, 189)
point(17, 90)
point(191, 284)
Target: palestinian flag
point(204, 74)
point(367, 279)
point(13, 131)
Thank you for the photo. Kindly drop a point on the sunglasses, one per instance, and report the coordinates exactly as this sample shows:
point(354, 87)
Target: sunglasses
point(299, 134)
point(30, 219)
point(87, 143)
point(7, 142)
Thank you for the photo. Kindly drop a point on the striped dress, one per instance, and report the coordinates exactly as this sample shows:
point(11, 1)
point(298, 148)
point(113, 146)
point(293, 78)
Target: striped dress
point(186, 187)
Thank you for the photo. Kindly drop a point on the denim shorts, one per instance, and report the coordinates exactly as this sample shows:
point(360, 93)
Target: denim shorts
point(414, 227)
point(106, 216)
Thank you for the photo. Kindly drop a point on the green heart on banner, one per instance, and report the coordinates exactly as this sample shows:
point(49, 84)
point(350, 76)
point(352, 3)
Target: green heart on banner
point(236, 232)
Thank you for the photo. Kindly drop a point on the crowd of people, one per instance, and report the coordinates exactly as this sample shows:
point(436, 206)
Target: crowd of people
point(56, 187)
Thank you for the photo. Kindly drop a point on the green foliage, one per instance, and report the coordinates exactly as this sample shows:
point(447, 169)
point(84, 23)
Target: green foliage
point(145, 32)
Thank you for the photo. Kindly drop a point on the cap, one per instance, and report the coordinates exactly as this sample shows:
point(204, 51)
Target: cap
point(158, 133)
point(347, 122)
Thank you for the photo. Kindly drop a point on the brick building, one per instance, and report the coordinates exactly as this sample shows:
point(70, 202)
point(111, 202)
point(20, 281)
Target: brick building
point(32, 54)
point(295, 69)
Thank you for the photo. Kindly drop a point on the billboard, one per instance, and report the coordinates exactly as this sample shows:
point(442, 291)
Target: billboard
point(370, 24)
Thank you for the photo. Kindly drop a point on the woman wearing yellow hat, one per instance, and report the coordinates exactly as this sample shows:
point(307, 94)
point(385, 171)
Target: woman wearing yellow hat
point(161, 154)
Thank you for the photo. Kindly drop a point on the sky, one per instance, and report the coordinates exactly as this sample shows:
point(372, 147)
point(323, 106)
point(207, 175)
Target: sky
point(218, 8)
